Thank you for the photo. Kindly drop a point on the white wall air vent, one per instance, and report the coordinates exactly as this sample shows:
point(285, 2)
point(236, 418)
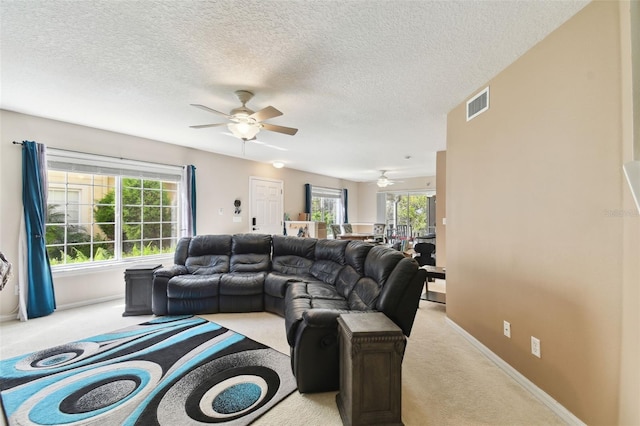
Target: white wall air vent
point(478, 104)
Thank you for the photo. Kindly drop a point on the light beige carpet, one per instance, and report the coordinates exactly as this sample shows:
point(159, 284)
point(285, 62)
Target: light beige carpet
point(445, 380)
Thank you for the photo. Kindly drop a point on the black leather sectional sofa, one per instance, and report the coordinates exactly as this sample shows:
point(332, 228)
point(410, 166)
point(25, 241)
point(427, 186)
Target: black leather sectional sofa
point(308, 281)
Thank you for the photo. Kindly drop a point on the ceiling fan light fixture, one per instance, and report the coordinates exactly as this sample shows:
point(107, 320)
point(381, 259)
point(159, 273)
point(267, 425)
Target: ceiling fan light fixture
point(245, 123)
point(383, 182)
point(244, 129)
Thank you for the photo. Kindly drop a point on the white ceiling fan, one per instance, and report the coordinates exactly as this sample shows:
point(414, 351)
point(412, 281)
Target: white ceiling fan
point(383, 181)
point(245, 123)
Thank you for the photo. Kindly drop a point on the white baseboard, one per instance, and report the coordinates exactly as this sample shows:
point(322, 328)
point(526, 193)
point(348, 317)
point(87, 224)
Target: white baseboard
point(14, 316)
point(541, 395)
point(90, 302)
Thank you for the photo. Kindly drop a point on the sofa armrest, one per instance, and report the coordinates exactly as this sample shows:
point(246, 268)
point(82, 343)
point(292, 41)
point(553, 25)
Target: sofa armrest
point(171, 271)
point(325, 317)
point(315, 355)
point(161, 279)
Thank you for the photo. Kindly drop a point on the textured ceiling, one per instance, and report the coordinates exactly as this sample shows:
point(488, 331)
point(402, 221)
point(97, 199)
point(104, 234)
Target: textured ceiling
point(368, 83)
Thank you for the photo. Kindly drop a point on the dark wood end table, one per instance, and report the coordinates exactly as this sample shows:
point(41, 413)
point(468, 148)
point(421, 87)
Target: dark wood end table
point(434, 296)
point(138, 281)
point(371, 351)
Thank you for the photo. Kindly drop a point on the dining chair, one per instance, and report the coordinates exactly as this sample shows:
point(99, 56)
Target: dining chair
point(401, 232)
point(347, 228)
point(391, 236)
point(378, 232)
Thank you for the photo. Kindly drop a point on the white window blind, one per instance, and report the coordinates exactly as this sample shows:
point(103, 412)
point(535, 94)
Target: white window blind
point(318, 191)
point(78, 162)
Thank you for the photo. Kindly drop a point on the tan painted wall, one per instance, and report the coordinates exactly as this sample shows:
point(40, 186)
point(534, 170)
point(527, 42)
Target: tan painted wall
point(536, 215)
point(441, 208)
point(220, 180)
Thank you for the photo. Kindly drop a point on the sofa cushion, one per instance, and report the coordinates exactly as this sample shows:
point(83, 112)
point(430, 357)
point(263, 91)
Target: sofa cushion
point(331, 250)
point(250, 262)
point(326, 270)
point(251, 243)
point(380, 262)
point(296, 305)
point(209, 254)
point(364, 295)
point(293, 255)
point(346, 280)
point(275, 284)
point(355, 254)
point(242, 284)
point(390, 296)
point(207, 264)
point(193, 286)
point(295, 246)
point(250, 253)
point(320, 290)
point(329, 259)
point(312, 290)
point(292, 265)
point(378, 265)
point(340, 304)
point(210, 244)
point(297, 290)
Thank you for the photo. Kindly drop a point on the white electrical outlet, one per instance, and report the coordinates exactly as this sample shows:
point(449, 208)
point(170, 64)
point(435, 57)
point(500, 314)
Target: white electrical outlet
point(535, 346)
point(507, 329)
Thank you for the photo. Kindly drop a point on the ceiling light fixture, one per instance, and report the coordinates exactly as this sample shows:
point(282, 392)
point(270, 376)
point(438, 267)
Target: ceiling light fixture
point(383, 182)
point(278, 164)
point(244, 127)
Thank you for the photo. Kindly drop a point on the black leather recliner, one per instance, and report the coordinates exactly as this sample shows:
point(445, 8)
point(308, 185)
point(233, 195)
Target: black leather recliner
point(374, 279)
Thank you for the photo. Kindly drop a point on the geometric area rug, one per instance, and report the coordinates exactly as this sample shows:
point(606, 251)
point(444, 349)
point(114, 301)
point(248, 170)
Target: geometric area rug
point(180, 370)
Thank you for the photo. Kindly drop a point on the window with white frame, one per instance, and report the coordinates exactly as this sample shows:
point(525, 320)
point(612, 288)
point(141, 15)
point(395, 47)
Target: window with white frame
point(326, 205)
point(415, 209)
point(102, 209)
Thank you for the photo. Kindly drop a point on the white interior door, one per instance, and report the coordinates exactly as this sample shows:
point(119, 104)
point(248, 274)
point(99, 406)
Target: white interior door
point(267, 205)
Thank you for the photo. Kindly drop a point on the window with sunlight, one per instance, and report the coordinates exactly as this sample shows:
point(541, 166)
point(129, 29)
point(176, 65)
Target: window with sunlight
point(101, 209)
point(326, 205)
point(414, 209)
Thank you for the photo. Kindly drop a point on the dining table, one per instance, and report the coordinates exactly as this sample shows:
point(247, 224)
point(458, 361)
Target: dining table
point(356, 236)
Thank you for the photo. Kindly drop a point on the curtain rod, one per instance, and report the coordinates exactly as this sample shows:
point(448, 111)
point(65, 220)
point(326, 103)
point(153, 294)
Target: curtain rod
point(102, 155)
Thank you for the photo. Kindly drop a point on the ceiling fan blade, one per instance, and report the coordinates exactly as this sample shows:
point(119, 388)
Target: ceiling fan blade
point(211, 110)
point(202, 126)
point(280, 129)
point(265, 114)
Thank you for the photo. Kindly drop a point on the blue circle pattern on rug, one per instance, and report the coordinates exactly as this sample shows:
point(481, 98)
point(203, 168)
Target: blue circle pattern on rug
point(237, 398)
